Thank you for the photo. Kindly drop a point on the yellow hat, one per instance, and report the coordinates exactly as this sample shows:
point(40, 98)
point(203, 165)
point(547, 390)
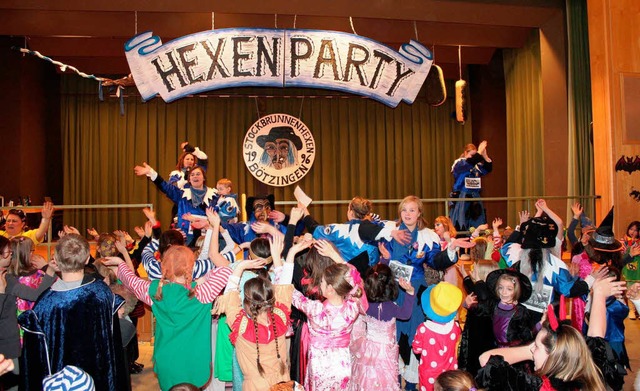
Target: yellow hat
point(440, 302)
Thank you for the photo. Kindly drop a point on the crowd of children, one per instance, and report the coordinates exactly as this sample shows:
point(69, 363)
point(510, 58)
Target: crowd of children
point(364, 305)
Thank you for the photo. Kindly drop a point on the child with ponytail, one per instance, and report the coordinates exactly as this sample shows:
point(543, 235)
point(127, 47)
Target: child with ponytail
point(330, 323)
point(182, 351)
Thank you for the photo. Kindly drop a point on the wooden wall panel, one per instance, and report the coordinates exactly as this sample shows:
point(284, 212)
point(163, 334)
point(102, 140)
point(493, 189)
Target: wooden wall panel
point(614, 30)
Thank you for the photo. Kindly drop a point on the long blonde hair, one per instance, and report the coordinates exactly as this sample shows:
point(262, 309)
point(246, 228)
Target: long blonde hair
point(570, 358)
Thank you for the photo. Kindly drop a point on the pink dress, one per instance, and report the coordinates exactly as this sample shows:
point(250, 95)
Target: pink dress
point(32, 280)
point(375, 362)
point(330, 328)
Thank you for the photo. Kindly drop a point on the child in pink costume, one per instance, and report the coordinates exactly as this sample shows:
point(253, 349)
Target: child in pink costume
point(330, 324)
point(375, 350)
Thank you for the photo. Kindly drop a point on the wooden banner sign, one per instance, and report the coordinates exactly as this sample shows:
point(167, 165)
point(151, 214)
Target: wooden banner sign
point(243, 57)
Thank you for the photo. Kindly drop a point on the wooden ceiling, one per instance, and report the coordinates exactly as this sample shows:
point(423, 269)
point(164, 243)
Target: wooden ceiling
point(90, 35)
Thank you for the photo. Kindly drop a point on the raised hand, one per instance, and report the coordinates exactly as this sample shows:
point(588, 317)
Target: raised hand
point(524, 216)
point(577, 210)
point(482, 147)
point(325, 248)
point(470, 300)
point(305, 241)
point(634, 292)
point(199, 223)
point(47, 210)
point(276, 245)
point(150, 214)
point(600, 273)
point(295, 215)
point(213, 217)
point(121, 245)
point(139, 231)
point(93, 233)
point(606, 287)
point(541, 203)
point(145, 169)
point(71, 230)
point(497, 222)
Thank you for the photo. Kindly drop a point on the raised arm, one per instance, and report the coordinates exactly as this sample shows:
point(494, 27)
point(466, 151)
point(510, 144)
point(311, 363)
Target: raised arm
point(602, 290)
point(45, 221)
point(542, 204)
point(135, 284)
point(216, 281)
point(149, 261)
point(214, 246)
point(172, 192)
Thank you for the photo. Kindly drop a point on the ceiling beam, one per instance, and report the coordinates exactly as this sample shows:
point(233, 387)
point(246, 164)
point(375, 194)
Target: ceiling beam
point(514, 13)
point(168, 26)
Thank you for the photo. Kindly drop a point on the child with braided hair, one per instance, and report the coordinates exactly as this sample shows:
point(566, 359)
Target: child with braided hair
point(183, 314)
point(260, 321)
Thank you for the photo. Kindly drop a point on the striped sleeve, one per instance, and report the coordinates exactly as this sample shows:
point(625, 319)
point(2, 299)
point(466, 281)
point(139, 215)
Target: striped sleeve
point(149, 261)
point(202, 267)
point(135, 284)
point(215, 283)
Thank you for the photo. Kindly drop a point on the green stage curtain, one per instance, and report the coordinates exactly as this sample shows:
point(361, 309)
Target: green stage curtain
point(581, 176)
point(525, 152)
point(363, 148)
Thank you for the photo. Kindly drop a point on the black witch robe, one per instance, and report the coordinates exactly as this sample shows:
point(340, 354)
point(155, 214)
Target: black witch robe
point(75, 327)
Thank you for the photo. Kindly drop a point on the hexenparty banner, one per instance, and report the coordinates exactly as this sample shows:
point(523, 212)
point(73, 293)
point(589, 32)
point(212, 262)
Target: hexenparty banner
point(242, 57)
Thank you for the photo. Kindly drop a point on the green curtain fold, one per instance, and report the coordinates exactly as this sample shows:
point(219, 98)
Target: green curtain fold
point(363, 148)
point(580, 148)
point(525, 141)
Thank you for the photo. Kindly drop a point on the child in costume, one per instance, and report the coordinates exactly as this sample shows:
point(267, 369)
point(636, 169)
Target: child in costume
point(183, 315)
point(73, 321)
point(227, 205)
point(563, 359)
point(260, 321)
point(477, 335)
point(631, 269)
point(617, 312)
point(436, 339)
point(375, 352)
point(426, 255)
point(330, 324)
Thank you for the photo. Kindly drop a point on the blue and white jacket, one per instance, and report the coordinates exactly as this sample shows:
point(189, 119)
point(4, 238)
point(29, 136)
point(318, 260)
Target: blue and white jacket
point(423, 248)
point(182, 198)
point(473, 167)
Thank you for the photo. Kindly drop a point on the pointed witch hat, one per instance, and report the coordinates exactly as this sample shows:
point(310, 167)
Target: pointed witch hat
point(603, 239)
